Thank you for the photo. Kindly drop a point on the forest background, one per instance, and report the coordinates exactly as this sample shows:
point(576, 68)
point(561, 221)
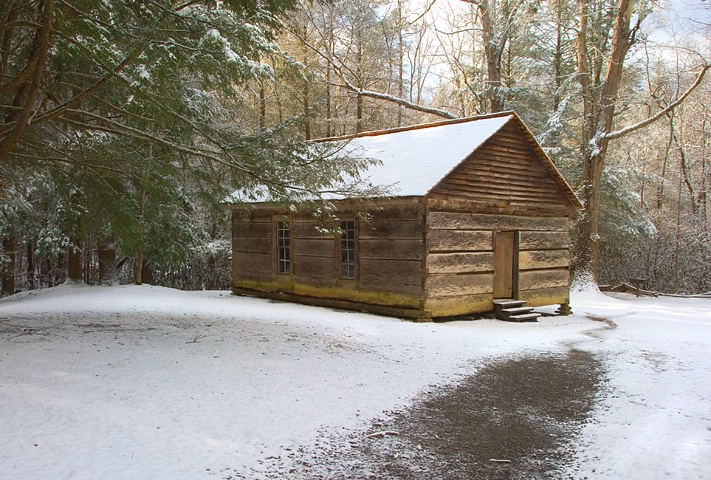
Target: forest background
point(124, 125)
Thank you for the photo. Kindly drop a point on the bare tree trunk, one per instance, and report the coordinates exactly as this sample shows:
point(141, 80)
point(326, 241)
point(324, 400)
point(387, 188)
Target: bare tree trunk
point(138, 268)
point(493, 48)
point(598, 114)
point(74, 267)
point(307, 109)
point(30, 265)
point(677, 239)
point(400, 63)
point(26, 93)
point(667, 150)
point(262, 106)
point(329, 101)
point(8, 274)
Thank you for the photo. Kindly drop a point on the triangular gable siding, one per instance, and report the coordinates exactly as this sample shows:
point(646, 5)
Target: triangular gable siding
point(505, 170)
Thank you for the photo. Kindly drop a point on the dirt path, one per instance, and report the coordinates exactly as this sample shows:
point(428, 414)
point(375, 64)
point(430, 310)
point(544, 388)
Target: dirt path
point(514, 419)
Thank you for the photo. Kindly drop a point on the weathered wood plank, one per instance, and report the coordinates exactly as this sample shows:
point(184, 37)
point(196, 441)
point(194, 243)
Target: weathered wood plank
point(253, 262)
point(308, 230)
point(399, 209)
point(440, 202)
point(411, 230)
point(545, 296)
point(544, 240)
point(315, 247)
point(457, 240)
point(460, 262)
point(400, 249)
point(252, 229)
point(538, 259)
point(537, 279)
point(400, 276)
point(476, 221)
point(399, 212)
point(397, 271)
point(495, 178)
point(326, 295)
point(461, 305)
point(502, 175)
point(457, 285)
point(252, 244)
point(504, 194)
point(314, 267)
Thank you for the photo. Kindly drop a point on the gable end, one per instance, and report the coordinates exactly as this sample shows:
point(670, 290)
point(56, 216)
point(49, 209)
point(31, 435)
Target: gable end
point(507, 171)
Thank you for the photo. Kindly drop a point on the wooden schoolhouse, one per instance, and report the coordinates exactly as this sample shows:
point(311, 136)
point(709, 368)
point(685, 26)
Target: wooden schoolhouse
point(478, 214)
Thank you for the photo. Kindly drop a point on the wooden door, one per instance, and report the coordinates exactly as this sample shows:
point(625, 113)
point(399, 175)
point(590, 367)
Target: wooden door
point(504, 265)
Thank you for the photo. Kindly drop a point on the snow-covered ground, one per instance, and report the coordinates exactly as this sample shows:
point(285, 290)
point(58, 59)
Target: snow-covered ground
point(146, 382)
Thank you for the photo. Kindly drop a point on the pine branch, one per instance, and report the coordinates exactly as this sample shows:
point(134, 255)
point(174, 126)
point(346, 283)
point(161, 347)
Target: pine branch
point(60, 109)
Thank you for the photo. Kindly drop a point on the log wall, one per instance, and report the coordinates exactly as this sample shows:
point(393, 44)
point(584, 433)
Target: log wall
point(389, 257)
point(460, 260)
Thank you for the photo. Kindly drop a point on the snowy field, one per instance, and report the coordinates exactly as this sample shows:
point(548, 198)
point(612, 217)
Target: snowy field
point(151, 383)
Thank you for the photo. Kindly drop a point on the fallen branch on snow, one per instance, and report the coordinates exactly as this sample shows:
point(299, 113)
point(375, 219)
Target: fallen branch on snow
point(382, 434)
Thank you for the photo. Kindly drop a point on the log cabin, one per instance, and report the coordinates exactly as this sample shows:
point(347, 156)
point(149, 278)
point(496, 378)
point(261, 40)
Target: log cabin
point(479, 213)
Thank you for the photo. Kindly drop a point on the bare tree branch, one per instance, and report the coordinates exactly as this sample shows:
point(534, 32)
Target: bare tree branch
point(369, 93)
point(627, 130)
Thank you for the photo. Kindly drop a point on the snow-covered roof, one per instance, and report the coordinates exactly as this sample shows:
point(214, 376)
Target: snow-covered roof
point(414, 159)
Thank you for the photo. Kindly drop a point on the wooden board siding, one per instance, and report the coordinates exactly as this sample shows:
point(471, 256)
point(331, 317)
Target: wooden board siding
point(313, 253)
point(460, 259)
point(391, 249)
point(544, 267)
point(389, 257)
point(458, 240)
point(460, 265)
point(460, 262)
point(479, 221)
point(252, 247)
point(505, 170)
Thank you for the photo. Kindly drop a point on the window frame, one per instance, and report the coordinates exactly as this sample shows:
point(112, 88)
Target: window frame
point(283, 244)
point(351, 247)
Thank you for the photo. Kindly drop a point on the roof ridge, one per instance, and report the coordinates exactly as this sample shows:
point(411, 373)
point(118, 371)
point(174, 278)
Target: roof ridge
point(418, 126)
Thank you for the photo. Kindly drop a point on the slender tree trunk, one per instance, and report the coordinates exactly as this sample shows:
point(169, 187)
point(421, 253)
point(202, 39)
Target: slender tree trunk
point(677, 240)
point(74, 267)
point(558, 56)
point(262, 106)
point(667, 150)
point(329, 101)
point(8, 274)
point(307, 111)
point(400, 63)
point(138, 268)
point(30, 265)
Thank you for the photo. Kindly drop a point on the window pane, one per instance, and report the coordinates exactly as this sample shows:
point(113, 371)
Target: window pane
point(347, 244)
point(283, 247)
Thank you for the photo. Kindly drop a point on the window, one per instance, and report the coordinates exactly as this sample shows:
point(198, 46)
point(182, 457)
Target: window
point(283, 247)
point(348, 250)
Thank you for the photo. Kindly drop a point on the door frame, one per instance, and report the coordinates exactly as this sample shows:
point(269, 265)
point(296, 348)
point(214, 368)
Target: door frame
point(513, 260)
